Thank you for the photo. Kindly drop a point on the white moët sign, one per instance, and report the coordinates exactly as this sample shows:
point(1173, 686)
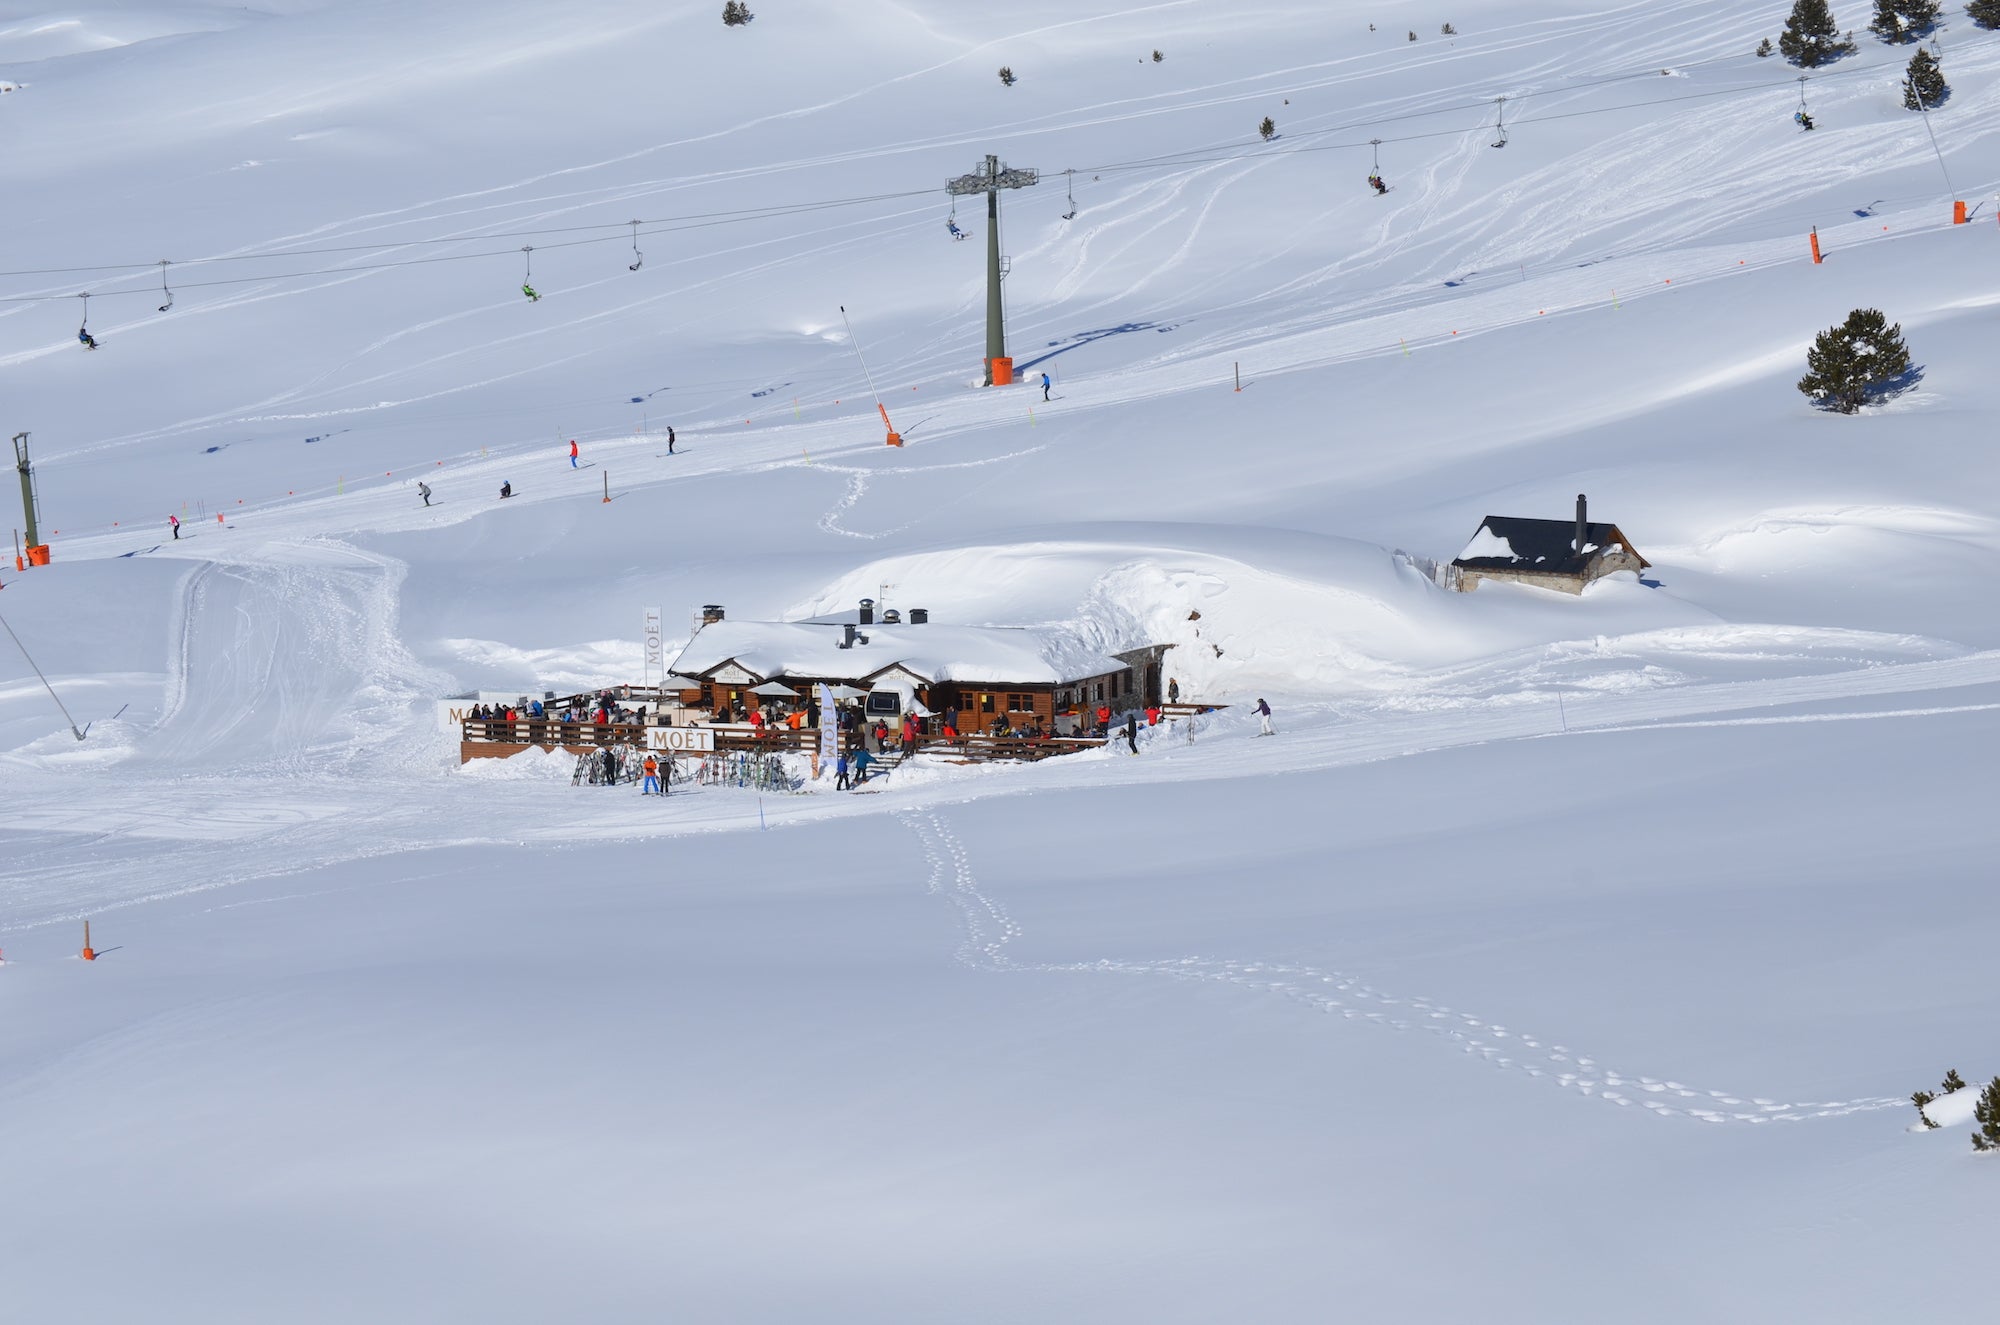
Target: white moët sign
point(653, 650)
point(681, 740)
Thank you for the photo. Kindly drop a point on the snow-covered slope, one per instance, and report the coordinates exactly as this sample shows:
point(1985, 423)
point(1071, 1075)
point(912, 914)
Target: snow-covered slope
point(1528, 889)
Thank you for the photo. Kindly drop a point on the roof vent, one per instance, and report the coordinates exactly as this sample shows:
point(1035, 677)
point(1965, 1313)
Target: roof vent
point(711, 613)
point(1582, 523)
point(868, 611)
point(847, 635)
point(892, 618)
point(920, 616)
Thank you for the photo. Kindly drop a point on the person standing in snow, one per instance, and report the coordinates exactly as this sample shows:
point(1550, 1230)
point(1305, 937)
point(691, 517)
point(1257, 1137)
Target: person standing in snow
point(1173, 690)
point(861, 761)
point(174, 523)
point(1263, 712)
point(840, 771)
point(424, 491)
point(1132, 731)
point(670, 439)
point(610, 768)
point(651, 785)
point(1045, 386)
point(572, 453)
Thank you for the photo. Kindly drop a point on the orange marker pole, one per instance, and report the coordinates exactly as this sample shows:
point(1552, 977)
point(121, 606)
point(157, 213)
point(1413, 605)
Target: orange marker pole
point(1958, 213)
point(607, 487)
point(87, 954)
point(1815, 244)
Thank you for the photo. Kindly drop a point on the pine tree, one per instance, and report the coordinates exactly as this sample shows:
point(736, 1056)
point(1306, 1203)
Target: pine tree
point(1811, 37)
point(1899, 21)
point(1986, 13)
point(1925, 87)
point(1268, 128)
point(1920, 1098)
point(1849, 361)
point(1764, 46)
point(1953, 1082)
point(1987, 1114)
point(735, 14)
point(1007, 75)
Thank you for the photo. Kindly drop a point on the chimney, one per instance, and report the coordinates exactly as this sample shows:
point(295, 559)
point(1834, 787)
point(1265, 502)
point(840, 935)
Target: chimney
point(711, 613)
point(847, 635)
point(868, 611)
point(919, 616)
point(1582, 524)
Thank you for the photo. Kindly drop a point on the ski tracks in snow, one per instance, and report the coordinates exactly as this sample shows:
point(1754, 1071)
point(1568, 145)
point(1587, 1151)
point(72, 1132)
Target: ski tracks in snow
point(989, 933)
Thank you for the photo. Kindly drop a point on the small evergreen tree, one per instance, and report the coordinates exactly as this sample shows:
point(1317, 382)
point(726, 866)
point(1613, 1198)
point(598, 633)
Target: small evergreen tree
point(1413, 34)
point(1448, 30)
point(1851, 360)
point(1987, 1114)
point(1986, 13)
point(1268, 128)
point(1157, 57)
point(1953, 1082)
point(1006, 75)
point(1920, 1098)
point(1764, 46)
point(735, 14)
point(1811, 38)
point(1899, 21)
point(1925, 87)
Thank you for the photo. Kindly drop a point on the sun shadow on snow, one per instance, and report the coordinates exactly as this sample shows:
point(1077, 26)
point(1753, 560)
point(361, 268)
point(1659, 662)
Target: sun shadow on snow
point(1084, 338)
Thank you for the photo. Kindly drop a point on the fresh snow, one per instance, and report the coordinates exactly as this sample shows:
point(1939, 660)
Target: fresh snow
point(1565, 945)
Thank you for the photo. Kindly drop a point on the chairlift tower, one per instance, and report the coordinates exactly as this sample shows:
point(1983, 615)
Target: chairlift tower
point(30, 504)
point(989, 179)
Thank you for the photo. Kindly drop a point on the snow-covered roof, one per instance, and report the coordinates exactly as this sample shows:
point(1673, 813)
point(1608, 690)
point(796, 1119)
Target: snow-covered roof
point(973, 655)
point(1506, 542)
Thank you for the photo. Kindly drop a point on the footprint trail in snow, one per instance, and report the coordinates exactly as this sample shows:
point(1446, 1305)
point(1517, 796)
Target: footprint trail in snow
point(990, 932)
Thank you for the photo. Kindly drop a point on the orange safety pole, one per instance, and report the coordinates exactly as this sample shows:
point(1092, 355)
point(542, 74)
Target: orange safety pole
point(87, 954)
point(895, 438)
point(1815, 244)
point(1958, 213)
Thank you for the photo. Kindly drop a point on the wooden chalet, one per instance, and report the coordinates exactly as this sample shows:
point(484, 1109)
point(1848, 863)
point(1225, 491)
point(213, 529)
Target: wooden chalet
point(989, 677)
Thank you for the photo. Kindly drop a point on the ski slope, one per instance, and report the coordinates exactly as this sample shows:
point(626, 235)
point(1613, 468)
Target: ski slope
point(1556, 948)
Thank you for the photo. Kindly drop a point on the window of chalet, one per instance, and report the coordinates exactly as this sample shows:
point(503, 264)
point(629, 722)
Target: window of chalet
point(986, 703)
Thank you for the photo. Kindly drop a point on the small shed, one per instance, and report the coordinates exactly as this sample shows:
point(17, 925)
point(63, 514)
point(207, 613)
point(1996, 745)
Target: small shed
point(1549, 554)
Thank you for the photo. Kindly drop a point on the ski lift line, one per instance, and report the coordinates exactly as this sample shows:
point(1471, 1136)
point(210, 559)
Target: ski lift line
point(706, 220)
point(692, 220)
point(43, 679)
point(1453, 109)
point(1204, 156)
point(370, 267)
point(664, 225)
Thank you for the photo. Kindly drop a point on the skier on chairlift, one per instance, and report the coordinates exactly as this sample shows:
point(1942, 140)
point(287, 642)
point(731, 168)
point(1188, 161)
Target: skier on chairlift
point(1803, 120)
point(952, 226)
point(1375, 182)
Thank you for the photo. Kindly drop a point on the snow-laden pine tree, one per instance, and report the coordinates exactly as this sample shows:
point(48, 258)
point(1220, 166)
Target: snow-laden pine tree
point(1903, 20)
point(1811, 37)
point(1986, 13)
point(1851, 360)
point(1925, 87)
point(1986, 1113)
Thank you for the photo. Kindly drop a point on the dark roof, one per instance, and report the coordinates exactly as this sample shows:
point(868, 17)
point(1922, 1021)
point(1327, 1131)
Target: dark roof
point(1548, 546)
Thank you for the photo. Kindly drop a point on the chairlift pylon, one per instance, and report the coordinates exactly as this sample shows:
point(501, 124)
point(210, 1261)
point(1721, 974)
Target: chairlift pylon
point(528, 273)
point(638, 258)
point(1070, 182)
point(1500, 126)
point(164, 263)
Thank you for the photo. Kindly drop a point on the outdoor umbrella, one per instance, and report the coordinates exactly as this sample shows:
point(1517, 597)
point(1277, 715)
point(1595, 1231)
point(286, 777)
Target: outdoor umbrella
point(772, 690)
